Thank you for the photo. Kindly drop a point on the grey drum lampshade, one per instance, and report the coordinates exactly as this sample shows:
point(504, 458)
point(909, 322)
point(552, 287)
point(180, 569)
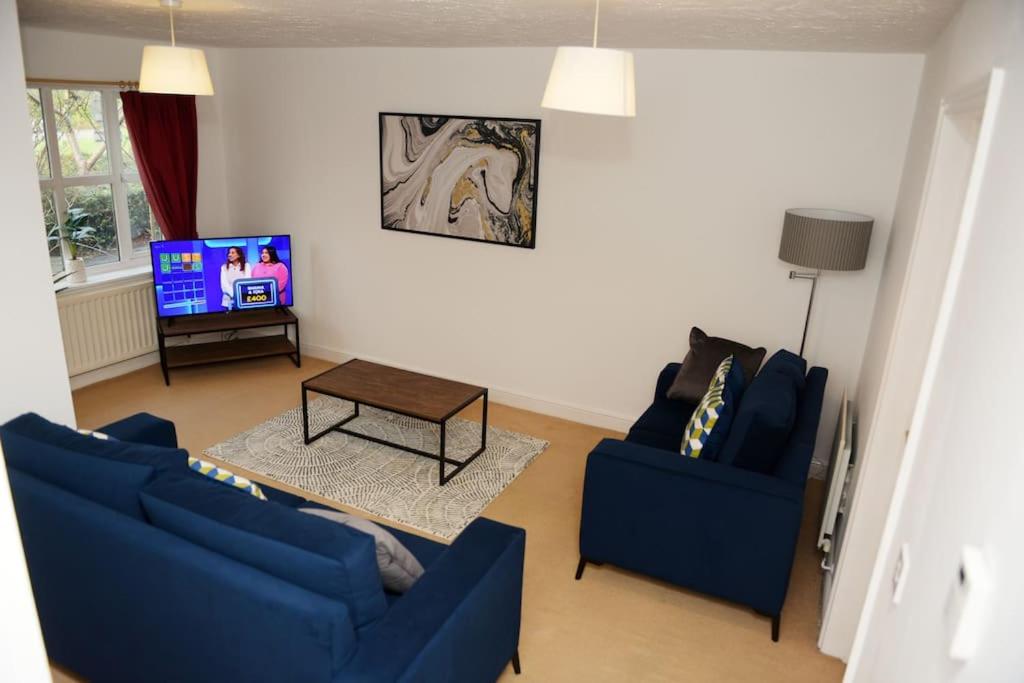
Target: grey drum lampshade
point(825, 239)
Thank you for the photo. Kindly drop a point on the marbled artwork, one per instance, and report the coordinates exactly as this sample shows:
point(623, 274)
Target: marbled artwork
point(469, 178)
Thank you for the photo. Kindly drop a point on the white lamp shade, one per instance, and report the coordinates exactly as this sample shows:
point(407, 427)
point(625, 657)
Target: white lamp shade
point(591, 80)
point(174, 71)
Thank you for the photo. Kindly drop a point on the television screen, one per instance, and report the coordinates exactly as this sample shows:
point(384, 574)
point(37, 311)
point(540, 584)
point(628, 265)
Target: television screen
point(222, 274)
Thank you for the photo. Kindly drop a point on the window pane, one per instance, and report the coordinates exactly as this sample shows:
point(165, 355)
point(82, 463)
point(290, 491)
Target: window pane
point(80, 135)
point(53, 238)
point(98, 202)
point(127, 154)
point(35, 112)
point(144, 227)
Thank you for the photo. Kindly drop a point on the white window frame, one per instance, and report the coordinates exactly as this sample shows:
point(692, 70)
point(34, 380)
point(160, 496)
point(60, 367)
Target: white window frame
point(118, 178)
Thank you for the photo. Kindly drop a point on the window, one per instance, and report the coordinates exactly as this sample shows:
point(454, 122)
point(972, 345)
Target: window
point(77, 168)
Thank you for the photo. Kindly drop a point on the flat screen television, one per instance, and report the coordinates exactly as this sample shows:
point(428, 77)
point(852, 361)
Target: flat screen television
point(222, 274)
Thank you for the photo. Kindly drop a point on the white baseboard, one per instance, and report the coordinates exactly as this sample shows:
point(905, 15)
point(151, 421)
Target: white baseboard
point(514, 399)
point(534, 404)
point(132, 364)
point(115, 370)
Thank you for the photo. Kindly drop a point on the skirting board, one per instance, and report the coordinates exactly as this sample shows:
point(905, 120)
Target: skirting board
point(115, 370)
point(509, 398)
point(534, 404)
point(137, 363)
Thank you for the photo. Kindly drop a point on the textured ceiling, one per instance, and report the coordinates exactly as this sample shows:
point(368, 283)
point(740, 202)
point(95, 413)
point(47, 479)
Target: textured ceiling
point(832, 25)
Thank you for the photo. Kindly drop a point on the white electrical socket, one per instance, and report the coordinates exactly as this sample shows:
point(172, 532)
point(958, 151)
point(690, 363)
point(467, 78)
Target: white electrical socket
point(968, 603)
point(899, 573)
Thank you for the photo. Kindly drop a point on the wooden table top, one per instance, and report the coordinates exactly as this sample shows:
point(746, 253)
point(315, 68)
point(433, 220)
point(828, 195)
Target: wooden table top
point(401, 391)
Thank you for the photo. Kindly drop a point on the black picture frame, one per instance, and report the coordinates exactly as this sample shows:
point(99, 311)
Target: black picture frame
point(421, 231)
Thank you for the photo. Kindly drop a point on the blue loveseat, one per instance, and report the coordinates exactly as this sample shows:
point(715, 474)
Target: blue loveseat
point(714, 527)
point(145, 570)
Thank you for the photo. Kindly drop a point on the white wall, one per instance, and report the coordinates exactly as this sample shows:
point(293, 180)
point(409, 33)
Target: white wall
point(60, 54)
point(902, 323)
point(32, 373)
point(958, 484)
point(645, 226)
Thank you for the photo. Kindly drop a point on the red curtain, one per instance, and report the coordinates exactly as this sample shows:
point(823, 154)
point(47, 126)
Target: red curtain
point(164, 137)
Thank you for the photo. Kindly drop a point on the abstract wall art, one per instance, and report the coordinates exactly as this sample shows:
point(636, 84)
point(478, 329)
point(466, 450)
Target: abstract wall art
point(465, 177)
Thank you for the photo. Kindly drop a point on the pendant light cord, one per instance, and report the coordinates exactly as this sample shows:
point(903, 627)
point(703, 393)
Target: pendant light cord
point(597, 15)
point(170, 10)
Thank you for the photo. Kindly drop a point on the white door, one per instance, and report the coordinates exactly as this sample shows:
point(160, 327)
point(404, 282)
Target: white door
point(961, 480)
point(877, 460)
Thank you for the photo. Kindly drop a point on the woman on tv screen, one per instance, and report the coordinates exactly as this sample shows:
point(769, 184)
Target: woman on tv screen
point(271, 266)
point(234, 268)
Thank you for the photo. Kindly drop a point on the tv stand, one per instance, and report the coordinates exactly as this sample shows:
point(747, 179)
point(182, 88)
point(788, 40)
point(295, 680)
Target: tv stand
point(204, 353)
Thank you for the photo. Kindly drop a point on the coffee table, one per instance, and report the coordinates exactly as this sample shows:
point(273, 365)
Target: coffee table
point(423, 397)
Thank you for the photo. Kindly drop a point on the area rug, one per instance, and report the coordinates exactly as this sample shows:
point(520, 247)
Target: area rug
point(378, 479)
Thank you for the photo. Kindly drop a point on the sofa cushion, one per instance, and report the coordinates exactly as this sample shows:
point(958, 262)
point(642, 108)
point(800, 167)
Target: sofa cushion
point(763, 422)
point(42, 430)
point(110, 483)
point(226, 477)
point(330, 559)
point(399, 568)
point(703, 358)
point(709, 425)
point(789, 363)
point(662, 424)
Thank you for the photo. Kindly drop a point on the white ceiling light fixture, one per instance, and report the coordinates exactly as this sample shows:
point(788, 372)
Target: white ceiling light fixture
point(592, 80)
point(174, 70)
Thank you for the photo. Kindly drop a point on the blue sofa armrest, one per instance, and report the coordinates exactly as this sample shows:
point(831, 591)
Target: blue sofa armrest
point(143, 428)
point(459, 623)
point(700, 524)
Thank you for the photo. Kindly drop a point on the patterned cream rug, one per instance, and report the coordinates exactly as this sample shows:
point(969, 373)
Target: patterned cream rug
point(381, 480)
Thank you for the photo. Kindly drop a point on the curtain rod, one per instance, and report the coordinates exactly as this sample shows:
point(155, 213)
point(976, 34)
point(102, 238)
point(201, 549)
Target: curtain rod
point(124, 85)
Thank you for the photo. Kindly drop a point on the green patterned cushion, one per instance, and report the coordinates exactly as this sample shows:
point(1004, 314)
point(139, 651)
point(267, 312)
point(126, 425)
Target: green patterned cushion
point(706, 415)
point(225, 477)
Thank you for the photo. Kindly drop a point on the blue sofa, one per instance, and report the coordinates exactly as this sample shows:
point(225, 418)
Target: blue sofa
point(714, 527)
point(122, 597)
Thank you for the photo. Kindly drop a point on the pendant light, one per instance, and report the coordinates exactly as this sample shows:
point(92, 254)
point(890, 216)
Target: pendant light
point(174, 70)
point(592, 80)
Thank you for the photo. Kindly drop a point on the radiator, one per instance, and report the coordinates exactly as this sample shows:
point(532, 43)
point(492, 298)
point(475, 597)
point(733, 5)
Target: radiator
point(104, 325)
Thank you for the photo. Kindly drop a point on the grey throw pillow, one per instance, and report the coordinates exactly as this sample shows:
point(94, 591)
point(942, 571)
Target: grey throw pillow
point(399, 568)
point(703, 358)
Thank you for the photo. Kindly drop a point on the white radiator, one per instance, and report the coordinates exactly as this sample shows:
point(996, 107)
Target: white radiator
point(104, 325)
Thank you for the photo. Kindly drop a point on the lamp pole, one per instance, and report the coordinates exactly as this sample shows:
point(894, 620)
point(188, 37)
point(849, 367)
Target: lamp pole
point(813, 277)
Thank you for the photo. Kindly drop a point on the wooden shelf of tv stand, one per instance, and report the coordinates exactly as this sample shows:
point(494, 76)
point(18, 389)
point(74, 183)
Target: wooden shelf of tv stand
point(186, 355)
point(204, 353)
point(226, 322)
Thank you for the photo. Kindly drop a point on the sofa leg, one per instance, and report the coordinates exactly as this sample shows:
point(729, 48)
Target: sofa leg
point(515, 663)
point(580, 567)
point(776, 620)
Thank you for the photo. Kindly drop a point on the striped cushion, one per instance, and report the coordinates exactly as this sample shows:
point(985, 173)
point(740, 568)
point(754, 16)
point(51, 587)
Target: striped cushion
point(225, 477)
point(707, 416)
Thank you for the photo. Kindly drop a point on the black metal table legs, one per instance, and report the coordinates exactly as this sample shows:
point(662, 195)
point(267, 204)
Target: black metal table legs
point(441, 456)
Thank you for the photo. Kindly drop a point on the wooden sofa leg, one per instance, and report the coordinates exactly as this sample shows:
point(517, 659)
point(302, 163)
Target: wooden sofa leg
point(580, 567)
point(515, 663)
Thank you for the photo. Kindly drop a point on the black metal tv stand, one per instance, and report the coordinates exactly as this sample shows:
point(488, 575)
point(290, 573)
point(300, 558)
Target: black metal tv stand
point(204, 353)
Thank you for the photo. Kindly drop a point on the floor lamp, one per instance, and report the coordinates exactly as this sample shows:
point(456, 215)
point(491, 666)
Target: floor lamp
point(823, 239)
